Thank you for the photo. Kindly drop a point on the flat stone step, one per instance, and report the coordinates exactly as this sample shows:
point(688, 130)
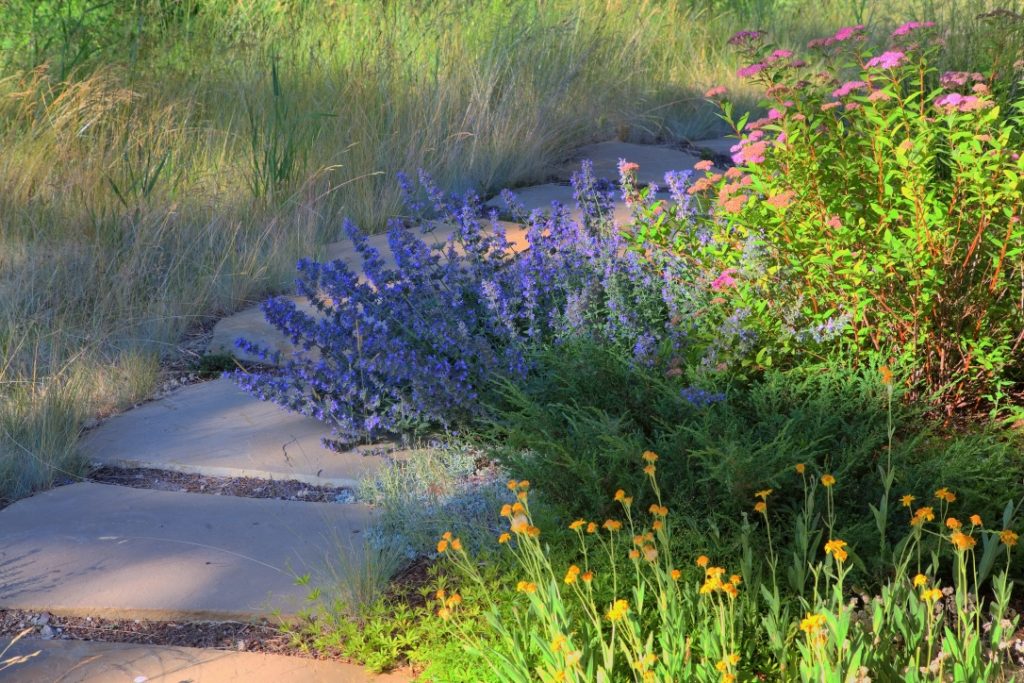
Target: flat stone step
point(654, 160)
point(720, 146)
point(216, 429)
point(76, 661)
point(108, 551)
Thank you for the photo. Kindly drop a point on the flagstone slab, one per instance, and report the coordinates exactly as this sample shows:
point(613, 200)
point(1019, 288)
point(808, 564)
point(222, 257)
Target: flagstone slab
point(76, 661)
point(720, 146)
point(216, 429)
point(654, 160)
point(545, 196)
point(108, 551)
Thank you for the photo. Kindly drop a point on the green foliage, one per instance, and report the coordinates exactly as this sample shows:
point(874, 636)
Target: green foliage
point(893, 202)
point(668, 621)
point(574, 430)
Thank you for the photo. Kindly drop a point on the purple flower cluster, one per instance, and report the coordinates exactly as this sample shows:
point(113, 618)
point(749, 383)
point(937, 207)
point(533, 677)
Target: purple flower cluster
point(416, 343)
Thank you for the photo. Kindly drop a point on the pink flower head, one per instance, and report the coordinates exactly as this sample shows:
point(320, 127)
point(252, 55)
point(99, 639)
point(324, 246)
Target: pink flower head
point(848, 32)
point(750, 153)
point(627, 167)
point(829, 105)
point(963, 103)
point(703, 165)
point(774, 114)
point(850, 106)
point(748, 71)
point(848, 87)
point(717, 91)
point(911, 26)
point(888, 60)
point(733, 173)
point(834, 222)
point(781, 201)
point(725, 280)
point(746, 37)
point(782, 54)
point(781, 138)
point(879, 96)
point(958, 79)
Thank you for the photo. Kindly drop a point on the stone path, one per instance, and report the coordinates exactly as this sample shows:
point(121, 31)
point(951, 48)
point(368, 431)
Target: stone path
point(90, 662)
point(97, 550)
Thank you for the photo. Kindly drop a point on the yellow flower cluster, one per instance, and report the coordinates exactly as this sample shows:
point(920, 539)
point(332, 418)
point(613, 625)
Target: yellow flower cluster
point(526, 587)
point(922, 515)
point(828, 481)
point(726, 665)
point(1008, 538)
point(945, 495)
point(962, 541)
point(448, 603)
point(814, 626)
point(835, 548)
point(618, 610)
point(572, 574)
point(448, 542)
point(713, 582)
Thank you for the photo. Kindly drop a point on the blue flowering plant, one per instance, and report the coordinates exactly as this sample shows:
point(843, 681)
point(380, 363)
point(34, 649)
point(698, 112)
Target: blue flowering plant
point(416, 342)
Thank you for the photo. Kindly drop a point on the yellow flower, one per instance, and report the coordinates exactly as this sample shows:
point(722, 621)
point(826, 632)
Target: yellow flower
point(456, 544)
point(963, 541)
point(907, 500)
point(520, 524)
point(650, 456)
point(524, 484)
point(953, 523)
point(587, 577)
point(447, 535)
point(658, 510)
point(512, 484)
point(710, 586)
point(522, 495)
point(577, 525)
point(761, 506)
point(657, 525)
point(526, 587)
point(620, 495)
point(442, 546)
point(558, 644)
point(649, 470)
point(800, 468)
point(715, 571)
point(571, 574)
point(454, 600)
point(440, 594)
point(703, 561)
point(572, 658)
point(1008, 538)
point(886, 374)
point(532, 531)
point(504, 538)
point(444, 613)
point(518, 508)
point(976, 520)
point(735, 579)
point(676, 574)
point(931, 595)
point(612, 524)
point(920, 580)
point(627, 501)
point(634, 554)
point(618, 610)
point(922, 515)
point(946, 495)
point(650, 553)
point(835, 548)
point(827, 480)
point(592, 527)
point(638, 540)
point(763, 494)
point(506, 510)
point(812, 623)
point(730, 590)
point(728, 678)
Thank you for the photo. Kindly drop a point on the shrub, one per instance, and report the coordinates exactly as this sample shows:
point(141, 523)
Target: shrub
point(886, 200)
point(670, 617)
point(574, 427)
point(416, 344)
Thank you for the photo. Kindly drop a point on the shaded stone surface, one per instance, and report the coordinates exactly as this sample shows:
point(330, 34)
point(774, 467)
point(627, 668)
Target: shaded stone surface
point(716, 145)
point(107, 551)
point(216, 429)
point(543, 197)
point(72, 661)
point(654, 160)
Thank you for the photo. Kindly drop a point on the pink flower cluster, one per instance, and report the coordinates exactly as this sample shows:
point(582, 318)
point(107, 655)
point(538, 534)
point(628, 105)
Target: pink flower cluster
point(888, 60)
point(848, 87)
point(840, 36)
point(958, 79)
point(910, 27)
point(750, 150)
point(962, 103)
point(746, 37)
point(627, 167)
point(749, 71)
point(725, 280)
point(717, 91)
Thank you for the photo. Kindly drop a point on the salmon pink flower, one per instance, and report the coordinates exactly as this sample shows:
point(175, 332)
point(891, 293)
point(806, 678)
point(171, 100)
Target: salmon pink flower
point(725, 280)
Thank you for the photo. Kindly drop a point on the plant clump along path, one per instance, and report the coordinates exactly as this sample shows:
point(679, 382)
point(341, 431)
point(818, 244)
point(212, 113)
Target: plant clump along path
point(207, 505)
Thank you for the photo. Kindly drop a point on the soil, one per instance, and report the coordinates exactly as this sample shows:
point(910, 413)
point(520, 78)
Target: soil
point(244, 487)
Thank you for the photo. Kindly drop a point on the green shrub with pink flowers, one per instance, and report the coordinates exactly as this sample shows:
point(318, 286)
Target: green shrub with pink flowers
point(884, 199)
